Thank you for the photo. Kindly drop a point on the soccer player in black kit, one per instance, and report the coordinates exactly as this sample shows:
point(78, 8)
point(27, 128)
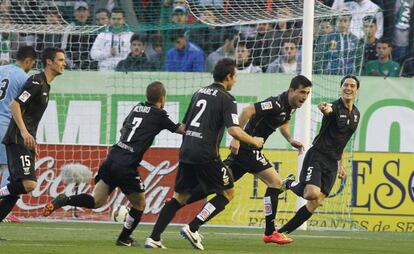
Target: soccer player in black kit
point(27, 111)
point(139, 129)
point(262, 119)
point(211, 109)
point(323, 161)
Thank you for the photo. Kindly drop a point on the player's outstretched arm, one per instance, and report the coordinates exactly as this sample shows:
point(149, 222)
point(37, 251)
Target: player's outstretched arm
point(29, 140)
point(239, 134)
point(325, 108)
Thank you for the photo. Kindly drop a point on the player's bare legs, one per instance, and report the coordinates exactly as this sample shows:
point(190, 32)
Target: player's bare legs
point(315, 198)
point(100, 195)
point(213, 207)
point(11, 193)
point(137, 200)
point(274, 184)
point(166, 215)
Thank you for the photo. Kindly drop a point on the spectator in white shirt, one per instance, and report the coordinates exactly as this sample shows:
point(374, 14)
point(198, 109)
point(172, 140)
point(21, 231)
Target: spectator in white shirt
point(112, 45)
point(359, 10)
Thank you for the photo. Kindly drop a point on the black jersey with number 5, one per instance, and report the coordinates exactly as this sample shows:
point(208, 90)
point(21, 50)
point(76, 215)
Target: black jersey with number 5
point(138, 131)
point(211, 109)
point(336, 130)
point(33, 100)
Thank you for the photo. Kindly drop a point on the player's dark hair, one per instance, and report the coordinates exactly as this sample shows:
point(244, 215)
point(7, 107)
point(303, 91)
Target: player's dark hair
point(50, 53)
point(223, 68)
point(385, 41)
point(299, 81)
point(26, 52)
point(155, 91)
point(118, 10)
point(100, 10)
point(137, 37)
point(230, 33)
point(351, 77)
point(370, 19)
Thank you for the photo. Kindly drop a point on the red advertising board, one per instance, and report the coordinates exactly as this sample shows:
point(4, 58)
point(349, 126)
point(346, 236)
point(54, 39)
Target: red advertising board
point(158, 170)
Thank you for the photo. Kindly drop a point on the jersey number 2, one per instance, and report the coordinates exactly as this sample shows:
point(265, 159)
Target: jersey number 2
point(3, 88)
point(136, 122)
point(202, 104)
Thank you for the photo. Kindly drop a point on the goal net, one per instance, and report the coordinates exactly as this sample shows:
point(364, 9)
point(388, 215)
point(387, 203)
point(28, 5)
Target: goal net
point(88, 104)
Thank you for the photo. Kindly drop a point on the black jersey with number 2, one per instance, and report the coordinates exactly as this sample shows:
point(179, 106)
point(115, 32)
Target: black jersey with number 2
point(138, 131)
point(211, 109)
point(33, 100)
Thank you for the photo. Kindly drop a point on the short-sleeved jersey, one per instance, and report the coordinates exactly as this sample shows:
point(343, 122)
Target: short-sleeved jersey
point(12, 79)
point(33, 100)
point(138, 131)
point(336, 130)
point(211, 109)
point(271, 113)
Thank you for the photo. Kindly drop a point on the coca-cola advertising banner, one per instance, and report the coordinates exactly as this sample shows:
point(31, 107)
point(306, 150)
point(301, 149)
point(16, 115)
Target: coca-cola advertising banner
point(158, 171)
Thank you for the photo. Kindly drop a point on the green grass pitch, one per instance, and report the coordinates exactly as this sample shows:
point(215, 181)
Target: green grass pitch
point(73, 238)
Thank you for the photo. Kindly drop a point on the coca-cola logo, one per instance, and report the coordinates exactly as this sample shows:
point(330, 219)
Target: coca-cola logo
point(50, 184)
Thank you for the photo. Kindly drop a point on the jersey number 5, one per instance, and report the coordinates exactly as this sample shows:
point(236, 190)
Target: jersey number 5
point(3, 88)
point(136, 122)
point(202, 104)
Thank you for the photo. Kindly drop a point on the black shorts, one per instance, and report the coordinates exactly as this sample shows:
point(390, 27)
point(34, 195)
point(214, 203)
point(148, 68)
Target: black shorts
point(115, 175)
point(213, 177)
point(320, 170)
point(247, 161)
point(21, 162)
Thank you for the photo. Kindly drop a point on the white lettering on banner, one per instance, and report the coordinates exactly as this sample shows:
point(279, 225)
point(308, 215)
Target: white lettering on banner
point(83, 122)
point(48, 130)
point(379, 126)
point(48, 183)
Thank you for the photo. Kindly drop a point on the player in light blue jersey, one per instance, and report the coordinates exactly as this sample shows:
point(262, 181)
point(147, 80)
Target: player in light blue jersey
point(12, 79)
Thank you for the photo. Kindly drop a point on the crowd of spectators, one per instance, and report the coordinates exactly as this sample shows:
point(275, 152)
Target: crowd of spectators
point(376, 38)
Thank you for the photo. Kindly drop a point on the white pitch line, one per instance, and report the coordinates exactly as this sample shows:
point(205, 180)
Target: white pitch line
point(40, 244)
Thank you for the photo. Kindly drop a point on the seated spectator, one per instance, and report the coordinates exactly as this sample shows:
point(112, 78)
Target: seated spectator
point(264, 36)
point(77, 46)
point(407, 67)
point(288, 62)
point(244, 60)
point(113, 44)
point(185, 56)
point(226, 51)
point(168, 7)
point(370, 29)
point(360, 9)
point(102, 17)
point(325, 27)
point(179, 15)
point(155, 51)
point(340, 55)
point(137, 59)
point(383, 66)
point(208, 38)
point(403, 30)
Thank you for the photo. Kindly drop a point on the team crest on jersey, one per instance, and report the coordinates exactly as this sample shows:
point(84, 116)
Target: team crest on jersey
point(24, 96)
point(334, 44)
point(266, 105)
point(355, 118)
point(235, 118)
